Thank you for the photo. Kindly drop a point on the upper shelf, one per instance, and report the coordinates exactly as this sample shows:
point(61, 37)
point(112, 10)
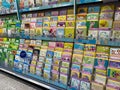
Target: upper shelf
point(66, 4)
point(89, 1)
point(8, 13)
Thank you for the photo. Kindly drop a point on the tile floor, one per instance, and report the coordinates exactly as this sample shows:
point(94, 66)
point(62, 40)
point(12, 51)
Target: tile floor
point(8, 82)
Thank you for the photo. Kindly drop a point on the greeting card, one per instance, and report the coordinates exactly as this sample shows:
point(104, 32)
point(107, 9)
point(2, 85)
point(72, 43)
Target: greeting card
point(84, 85)
point(101, 63)
point(107, 8)
point(86, 76)
point(70, 24)
point(70, 17)
point(114, 53)
point(114, 73)
point(55, 76)
point(100, 79)
point(45, 32)
point(87, 69)
point(88, 60)
point(54, 13)
point(82, 10)
point(97, 86)
point(38, 31)
point(66, 56)
point(76, 67)
point(101, 71)
point(81, 33)
point(38, 71)
point(93, 34)
point(117, 15)
point(63, 12)
point(80, 24)
point(70, 11)
point(57, 54)
point(102, 52)
point(75, 83)
point(49, 61)
point(46, 19)
point(77, 59)
point(113, 82)
point(53, 24)
point(60, 32)
point(65, 64)
point(46, 24)
point(92, 17)
point(46, 74)
point(61, 18)
point(115, 64)
point(92, 24)
point(54, 18)
point(64, 70)
point(63, 79)
point(116, 34)
point(104, 34)
point(39, 24)
point(95, 9)
point(82, 17)
point(69, 32)
point(111, 88)
point(75, 73)
point(90, 48)
point(106, 15)
point(105, 23)
point(55, 68)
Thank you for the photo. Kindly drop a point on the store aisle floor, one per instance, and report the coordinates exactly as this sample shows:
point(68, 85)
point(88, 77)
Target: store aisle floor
point(8, 82)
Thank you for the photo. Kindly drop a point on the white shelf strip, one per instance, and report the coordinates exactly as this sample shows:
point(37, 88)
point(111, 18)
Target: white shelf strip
point(28, 79)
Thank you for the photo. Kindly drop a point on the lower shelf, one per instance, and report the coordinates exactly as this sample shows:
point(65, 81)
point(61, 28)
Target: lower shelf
point(28, 79)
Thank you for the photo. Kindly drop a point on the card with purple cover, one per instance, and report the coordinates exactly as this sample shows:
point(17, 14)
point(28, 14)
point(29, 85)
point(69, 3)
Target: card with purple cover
point(75, 73)
point(61, 24)
point(63, 12)
point(60, 44)
point(114, 64)
point(66, 57)
point(52, 2)
point(34, 15)
point(54, 13)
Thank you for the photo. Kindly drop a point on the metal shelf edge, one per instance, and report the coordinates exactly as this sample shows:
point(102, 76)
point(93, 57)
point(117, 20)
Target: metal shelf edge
point(28, 79)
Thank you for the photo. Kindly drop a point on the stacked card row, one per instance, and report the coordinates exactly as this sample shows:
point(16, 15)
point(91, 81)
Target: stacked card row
point(10, 26)
point(83, 61)
point(98, 21)
point(62, 26)
point(96, 66)
point(50, 60)
point(8, 50)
